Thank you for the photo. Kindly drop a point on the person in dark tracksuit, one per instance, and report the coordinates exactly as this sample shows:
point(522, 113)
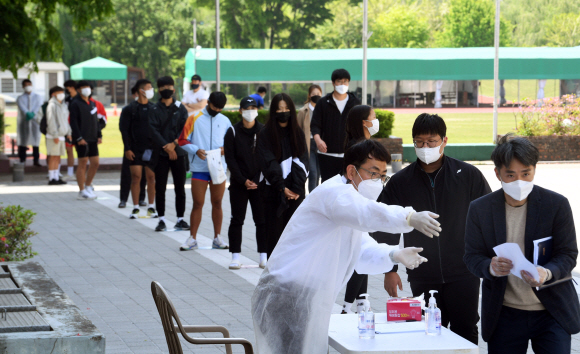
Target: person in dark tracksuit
point(240, 154)
point(445, 186)
point(328, 124)
point(166, 130)
point(126, 171)
point(283, 159)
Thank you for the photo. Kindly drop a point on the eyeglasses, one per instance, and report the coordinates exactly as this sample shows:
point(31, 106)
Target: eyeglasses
point(375, 176)
point(431, 144)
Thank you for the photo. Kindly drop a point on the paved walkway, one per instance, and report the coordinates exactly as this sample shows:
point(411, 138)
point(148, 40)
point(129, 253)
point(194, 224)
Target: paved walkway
point(106, 262)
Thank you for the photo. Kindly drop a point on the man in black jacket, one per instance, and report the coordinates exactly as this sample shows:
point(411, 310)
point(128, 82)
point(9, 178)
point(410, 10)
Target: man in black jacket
point(86, 135)
point(140, 148)
point(513, 311)
point(328, 126)
point(125, 187)
point(166, 130)
point(445, 186)
point(240, 154)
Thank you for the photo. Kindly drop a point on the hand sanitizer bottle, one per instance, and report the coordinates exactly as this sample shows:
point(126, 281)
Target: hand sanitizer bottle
point(433, 317)
point(366, 320)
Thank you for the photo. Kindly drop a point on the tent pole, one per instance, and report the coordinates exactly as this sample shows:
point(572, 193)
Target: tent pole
point(496, 71)
point(365, 40)
point(217, 45)
point(114, 91)
point(126, 91)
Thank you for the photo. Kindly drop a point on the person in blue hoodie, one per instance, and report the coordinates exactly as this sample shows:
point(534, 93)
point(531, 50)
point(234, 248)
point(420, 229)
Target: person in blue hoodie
point(203, 132)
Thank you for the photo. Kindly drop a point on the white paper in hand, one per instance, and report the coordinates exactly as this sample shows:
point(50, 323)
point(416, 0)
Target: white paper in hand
point(513, 252)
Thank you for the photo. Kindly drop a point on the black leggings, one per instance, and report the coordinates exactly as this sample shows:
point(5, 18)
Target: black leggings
point(356, 285)
point(239, 197)
point(177, 167)
point(22, 153)
point(275, 225)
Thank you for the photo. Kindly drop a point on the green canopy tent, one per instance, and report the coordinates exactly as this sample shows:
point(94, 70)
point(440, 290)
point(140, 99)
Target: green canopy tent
point(100, 69)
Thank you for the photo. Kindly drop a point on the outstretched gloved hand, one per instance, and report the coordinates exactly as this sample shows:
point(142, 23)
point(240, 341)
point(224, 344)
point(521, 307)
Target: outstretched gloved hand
point(425, 223)
point(408, 256)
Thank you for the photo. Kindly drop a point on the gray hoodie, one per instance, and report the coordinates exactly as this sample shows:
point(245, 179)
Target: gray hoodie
point(57, 119)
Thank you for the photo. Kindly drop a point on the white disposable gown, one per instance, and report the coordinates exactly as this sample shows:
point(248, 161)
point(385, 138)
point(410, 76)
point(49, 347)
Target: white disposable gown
point(324, 242)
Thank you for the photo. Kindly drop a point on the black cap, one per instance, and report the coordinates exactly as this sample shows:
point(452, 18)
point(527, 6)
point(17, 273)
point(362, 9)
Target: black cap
point(196, 77)
point(248, 102)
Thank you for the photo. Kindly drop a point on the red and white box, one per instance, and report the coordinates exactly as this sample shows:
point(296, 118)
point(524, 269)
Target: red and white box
point(404, 309)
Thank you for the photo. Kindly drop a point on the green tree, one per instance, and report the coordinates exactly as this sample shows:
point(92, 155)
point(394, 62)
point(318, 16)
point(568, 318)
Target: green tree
point(470, 23)
point(401, 27)
point(343, 30)
point(78, 45)
point(27, 34)
point(563, 31)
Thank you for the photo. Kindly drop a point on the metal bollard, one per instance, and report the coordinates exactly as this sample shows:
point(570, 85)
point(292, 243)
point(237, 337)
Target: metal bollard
point(18, 172)
point(396, 162)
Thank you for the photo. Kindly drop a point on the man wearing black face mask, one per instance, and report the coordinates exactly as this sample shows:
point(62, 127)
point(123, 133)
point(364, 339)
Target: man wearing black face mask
point(195, 99)
point(166, 130)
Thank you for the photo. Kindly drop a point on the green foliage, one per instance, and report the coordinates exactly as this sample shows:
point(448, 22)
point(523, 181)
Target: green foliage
point(470, 23)
point(563, 30)
point(386, 122)
point(27, 34)
point(15, 230)
point(551, 116)
point(343, 30)
point(401, 27)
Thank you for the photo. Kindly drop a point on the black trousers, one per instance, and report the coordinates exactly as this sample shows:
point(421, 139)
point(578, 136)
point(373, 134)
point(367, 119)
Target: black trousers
point(515, 328)
point(459, 303)
point(126, 182)
point(356, 285)
point(275, 225)
point(330, 166)
point(177, 167)
point(22, 153)
point(239, 197)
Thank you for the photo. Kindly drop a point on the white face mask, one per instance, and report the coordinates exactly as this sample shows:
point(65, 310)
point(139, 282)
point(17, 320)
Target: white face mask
point(86, 91)
point(375, 128)
point(60, 96)
point(249, 115)
point(369, 188)
point(428, 155)
point(341, 89)
point(149, 93)
point(519, 190)
point(137, 98)
point(28, 88)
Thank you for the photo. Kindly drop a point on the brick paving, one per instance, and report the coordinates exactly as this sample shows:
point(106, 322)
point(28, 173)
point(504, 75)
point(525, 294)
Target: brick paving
point(106, 262)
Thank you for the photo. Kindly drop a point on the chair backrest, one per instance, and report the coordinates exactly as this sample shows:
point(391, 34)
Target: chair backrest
point(167, 313)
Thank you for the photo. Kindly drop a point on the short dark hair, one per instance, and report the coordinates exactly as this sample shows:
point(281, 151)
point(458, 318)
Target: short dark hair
point(196, 77)
point(510, 147)
point(26, 81)
point(70, 83)
point(218, 99)
point(429, 124)
point(134, 89)
point(359, 153)
point(262, 89)
point(340, 74)
point(141, 83)
point(165, 81)
point(82, 83)
point(55, 89)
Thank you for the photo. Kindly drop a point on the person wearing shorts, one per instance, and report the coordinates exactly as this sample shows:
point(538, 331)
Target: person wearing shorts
point(86, 135)
point(139, 146)
point(57, 128)
point(70, 93)
point(203, 132)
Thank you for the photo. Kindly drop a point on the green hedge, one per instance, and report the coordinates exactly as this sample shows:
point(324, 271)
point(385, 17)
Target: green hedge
point(386, 120)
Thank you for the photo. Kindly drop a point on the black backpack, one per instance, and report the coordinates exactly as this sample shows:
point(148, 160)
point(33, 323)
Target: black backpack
point(43, 120)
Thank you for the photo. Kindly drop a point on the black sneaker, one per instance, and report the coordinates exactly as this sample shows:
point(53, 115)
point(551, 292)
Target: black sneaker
point(122, 204)
point(60, 181)
point(161, 226)
point(152, 213)
point(53, 182)
point(181, 225)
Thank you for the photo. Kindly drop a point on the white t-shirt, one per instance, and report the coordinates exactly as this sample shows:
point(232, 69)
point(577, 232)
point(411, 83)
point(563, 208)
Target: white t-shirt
point(195, 97)
point(340, 104)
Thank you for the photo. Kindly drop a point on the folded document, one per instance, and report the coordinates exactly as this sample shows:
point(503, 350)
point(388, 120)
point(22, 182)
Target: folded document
point(513, 252)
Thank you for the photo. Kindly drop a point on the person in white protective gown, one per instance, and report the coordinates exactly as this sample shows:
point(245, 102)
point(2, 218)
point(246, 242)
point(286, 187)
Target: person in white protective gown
point(324, 242)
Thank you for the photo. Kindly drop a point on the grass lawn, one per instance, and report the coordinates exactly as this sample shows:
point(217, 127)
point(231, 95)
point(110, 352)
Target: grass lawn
point(528, 89)
point(461, 128)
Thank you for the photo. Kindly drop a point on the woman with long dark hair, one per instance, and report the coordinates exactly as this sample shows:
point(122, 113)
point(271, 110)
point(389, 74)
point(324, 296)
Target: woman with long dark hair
point(283, 158)
point(361, 124)
point(304, 118)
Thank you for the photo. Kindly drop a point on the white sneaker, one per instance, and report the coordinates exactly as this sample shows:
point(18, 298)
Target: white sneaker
point(83, 195)
point(189, 244)
point(69, 178)
point(134, 214)
point(90, 192)
point(235, 265)
point(263, 264)
point(219, 244)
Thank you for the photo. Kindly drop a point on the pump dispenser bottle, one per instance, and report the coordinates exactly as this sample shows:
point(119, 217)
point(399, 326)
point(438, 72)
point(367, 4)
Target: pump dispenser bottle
point(433, 317)
point(366, 320)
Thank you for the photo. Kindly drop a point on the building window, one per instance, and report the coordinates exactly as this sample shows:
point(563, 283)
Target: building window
point(8, 85)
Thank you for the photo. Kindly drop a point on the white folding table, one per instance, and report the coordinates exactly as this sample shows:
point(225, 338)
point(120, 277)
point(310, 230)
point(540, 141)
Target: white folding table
point(343, 336)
